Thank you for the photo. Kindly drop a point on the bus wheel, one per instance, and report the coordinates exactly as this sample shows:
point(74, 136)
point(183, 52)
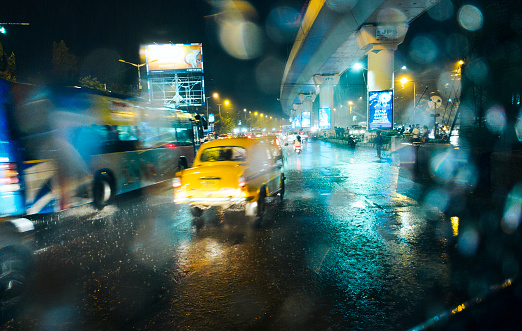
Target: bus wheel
point(182, 164)
point(102, 192)
point(15, 269)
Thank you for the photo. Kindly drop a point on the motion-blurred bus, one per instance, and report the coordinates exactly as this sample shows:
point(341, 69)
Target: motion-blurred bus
point(64, 147)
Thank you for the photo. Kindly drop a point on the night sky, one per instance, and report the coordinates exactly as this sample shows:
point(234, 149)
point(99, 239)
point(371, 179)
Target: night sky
point(100, 32)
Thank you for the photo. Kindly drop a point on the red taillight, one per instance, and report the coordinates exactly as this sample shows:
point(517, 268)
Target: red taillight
point(242, 181)
point(170, 145)
point(8, 177)
point(277, 142)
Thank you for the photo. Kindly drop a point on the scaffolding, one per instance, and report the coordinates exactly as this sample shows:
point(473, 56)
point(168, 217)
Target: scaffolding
point(177, 90)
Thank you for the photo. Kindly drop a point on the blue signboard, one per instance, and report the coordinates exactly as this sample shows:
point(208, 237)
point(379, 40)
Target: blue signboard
point(305, 119)
point(324, 118)
point(380, 110)
point(297, 122)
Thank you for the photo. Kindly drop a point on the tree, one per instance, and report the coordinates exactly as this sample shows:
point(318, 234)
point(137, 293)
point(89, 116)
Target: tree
point(2, 68)
point(65, 65)
point(7, 65)
point(10, 70)
point(91, 83)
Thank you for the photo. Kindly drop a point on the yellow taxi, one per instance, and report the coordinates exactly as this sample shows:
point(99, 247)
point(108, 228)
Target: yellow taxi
point(238, 172)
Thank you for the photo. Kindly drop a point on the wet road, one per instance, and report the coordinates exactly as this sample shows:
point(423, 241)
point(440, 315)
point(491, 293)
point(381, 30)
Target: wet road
point(354, 245)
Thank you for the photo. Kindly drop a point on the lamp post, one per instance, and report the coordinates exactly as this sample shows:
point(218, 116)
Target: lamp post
point(206, 101)
point(139, 73)
point(215, 95)
point(403, 81)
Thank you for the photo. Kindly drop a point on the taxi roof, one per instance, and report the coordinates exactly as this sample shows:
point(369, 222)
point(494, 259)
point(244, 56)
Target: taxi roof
point(241, 142)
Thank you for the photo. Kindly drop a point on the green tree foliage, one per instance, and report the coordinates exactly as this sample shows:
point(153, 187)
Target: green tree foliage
point(10, 70)
point(127, 89)
point(91, 83)
point(2, 61)
point(64, 64)
point(224, 124)
point(7, 65)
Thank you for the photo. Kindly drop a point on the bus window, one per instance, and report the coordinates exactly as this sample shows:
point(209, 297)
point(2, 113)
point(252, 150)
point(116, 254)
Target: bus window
point(183, 136)
point(126, 132)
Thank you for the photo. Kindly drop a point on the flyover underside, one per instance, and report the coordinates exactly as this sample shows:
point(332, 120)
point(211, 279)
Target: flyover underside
point(328, 44)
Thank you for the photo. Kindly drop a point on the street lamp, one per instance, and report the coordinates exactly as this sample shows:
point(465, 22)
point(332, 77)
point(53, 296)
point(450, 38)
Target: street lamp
point(216, 96)
point(139, 73)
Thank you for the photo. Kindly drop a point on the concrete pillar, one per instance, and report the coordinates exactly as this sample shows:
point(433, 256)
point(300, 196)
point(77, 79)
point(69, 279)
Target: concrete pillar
point(298, 110)
point(308, 100)
point(326, 85)
point(380, 43)
point(380, 68)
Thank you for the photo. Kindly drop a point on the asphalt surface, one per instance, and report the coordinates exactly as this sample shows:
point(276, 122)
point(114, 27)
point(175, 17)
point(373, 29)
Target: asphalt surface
point(358, 243)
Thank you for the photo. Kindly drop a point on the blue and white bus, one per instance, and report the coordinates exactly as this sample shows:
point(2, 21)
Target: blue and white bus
point(65, 147)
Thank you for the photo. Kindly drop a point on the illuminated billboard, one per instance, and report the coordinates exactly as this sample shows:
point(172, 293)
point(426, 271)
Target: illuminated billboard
point(305, 122)
point(297, 122)
point(174, 58)
point(324, 118)
point(380, 109)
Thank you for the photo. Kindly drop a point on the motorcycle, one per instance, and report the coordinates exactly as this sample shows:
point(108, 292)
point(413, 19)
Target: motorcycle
point(352, 141)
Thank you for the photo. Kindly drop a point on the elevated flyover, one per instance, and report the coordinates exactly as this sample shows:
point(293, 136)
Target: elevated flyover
point(335, 34)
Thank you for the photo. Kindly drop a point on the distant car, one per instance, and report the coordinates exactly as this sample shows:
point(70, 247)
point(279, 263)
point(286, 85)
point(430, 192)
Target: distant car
point(357, 130)
point(223, 136)
point(238, 172)
point(274, 143)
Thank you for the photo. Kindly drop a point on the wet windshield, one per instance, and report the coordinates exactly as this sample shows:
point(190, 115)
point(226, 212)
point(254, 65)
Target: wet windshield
point(399, 208)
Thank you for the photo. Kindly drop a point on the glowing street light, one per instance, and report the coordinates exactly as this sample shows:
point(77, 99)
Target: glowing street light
point(139, 73)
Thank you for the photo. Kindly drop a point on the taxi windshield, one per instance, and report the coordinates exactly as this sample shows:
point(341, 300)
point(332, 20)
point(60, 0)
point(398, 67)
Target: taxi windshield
point(223, 153)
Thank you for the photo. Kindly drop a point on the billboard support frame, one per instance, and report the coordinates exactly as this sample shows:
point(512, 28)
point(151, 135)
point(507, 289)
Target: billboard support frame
point(175, 74)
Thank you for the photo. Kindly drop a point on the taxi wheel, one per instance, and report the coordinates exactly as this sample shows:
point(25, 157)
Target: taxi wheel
point(282, 190)
point(261, 204)
point(196, 211)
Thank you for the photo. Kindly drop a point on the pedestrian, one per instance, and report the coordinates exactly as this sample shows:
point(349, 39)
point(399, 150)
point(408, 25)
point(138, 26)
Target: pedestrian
point(425, 134)
point(416, 134)
point(378, 141)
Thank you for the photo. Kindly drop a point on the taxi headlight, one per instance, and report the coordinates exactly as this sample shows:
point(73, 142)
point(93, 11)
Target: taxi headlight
point(176, 182)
